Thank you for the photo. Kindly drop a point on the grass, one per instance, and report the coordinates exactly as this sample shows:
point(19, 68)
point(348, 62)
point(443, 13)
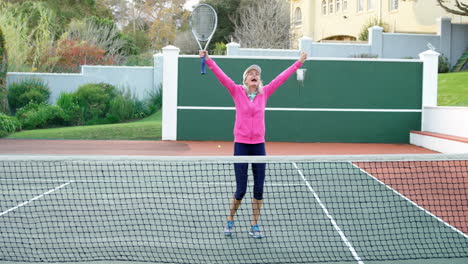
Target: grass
point(146, 129)
point(453, 89)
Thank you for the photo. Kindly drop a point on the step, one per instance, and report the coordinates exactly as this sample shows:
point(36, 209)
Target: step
point(439, 142)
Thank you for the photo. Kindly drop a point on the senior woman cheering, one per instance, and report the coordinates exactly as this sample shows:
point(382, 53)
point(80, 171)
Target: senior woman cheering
point(250, 99)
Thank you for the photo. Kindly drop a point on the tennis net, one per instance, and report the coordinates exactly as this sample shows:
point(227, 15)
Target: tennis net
point(317, 209)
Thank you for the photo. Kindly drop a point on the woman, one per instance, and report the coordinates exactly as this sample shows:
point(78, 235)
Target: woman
point(250, 99)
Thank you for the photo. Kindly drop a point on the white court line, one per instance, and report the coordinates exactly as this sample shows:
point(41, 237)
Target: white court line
point(35, 198)
point(335, 225)
point(413, 203)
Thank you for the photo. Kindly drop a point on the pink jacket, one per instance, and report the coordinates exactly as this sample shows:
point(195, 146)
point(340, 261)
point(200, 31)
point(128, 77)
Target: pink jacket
point(250, 116)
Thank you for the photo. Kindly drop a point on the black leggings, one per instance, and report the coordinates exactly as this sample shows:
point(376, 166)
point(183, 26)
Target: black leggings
point(241, 149)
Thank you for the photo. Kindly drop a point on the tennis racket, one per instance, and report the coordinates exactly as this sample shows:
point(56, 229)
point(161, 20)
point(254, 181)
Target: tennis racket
point(203, 22)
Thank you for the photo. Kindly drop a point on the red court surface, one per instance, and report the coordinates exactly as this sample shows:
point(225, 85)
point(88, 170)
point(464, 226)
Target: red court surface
point(193, 148)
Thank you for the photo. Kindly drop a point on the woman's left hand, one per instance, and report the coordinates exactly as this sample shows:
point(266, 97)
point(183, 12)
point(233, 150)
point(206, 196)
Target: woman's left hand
point(302, 57)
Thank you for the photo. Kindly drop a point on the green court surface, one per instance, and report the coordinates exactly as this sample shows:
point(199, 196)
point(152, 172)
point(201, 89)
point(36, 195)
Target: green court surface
point(331, 212)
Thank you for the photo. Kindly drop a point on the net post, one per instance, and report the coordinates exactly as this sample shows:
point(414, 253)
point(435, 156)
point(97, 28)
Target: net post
point(170, 86)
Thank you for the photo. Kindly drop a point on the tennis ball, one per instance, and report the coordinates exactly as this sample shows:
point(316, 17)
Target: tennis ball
point(219, 146)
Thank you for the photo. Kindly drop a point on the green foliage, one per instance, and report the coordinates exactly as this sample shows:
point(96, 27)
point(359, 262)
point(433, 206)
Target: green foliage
point(129, 46)
point(26, 91)
point(3, 72)
point(40, 115)
point(94, 100)
point(67, 10)
point(143, 59)
point(220, 48)
point(16, 31)
point(444, 64)
point(364, 35)
point(72, 111)
point(227, 11)
point(8, 125)
point(138, 41)
point(102, 103)
point(121, 108)
point(155, 100)
point(36, 26)
point(33, 27)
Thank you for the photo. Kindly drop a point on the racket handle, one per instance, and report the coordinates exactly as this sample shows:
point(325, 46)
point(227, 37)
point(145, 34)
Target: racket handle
point(203, 65)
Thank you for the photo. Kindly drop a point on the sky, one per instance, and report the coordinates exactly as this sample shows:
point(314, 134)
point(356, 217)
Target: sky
point(190, 3)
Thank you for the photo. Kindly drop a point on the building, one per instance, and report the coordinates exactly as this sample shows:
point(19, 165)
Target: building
point(324, 20)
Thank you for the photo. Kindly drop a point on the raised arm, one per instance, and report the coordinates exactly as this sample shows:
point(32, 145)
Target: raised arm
point(282, 77)
point(222, 77)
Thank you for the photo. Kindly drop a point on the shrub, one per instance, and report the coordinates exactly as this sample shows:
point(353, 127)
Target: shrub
point(120, 109)
point(40, 115)
point(74, 53)
point(444, 64)
point(364, 35)
point(220, 48)
point(8, 125)
point(155, 100)
point(69, 104)
point(94, 101)
point(26, 91)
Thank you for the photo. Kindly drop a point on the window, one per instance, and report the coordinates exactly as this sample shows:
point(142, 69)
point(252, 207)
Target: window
point(393, 4)
point(345, 5)
point(324, 7)
point(330, 6)
point(298, 16)
point(338, 3)
point(370, 4)
point(360, 5)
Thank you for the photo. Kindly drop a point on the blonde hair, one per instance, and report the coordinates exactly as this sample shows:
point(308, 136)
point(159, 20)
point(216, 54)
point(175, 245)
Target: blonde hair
point(259, 87)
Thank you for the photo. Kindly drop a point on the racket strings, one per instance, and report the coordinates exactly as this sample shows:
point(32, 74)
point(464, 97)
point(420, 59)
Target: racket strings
point(203, 22)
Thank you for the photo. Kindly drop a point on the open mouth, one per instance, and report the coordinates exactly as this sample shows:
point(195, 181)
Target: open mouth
point(253, 80)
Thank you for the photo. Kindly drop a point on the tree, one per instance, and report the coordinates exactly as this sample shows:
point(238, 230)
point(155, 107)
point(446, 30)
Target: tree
point(74, 53)
point(3, 71)
point(102, 33)
point(459, 8)
point(186, 43)
point(263, 24)
point(30, 28)
point(166, 17)
point(227, 16)
point(129, 14)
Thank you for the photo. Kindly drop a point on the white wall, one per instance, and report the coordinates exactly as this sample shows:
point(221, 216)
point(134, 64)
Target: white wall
point(446, 120)
point(139, 80)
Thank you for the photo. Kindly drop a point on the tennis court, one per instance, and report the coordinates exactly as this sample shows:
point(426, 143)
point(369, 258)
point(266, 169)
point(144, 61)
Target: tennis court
point(172, 210)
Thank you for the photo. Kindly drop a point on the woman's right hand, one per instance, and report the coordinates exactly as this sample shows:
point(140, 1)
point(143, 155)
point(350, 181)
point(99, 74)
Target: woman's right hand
point(202, 53)
point(303, 57)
